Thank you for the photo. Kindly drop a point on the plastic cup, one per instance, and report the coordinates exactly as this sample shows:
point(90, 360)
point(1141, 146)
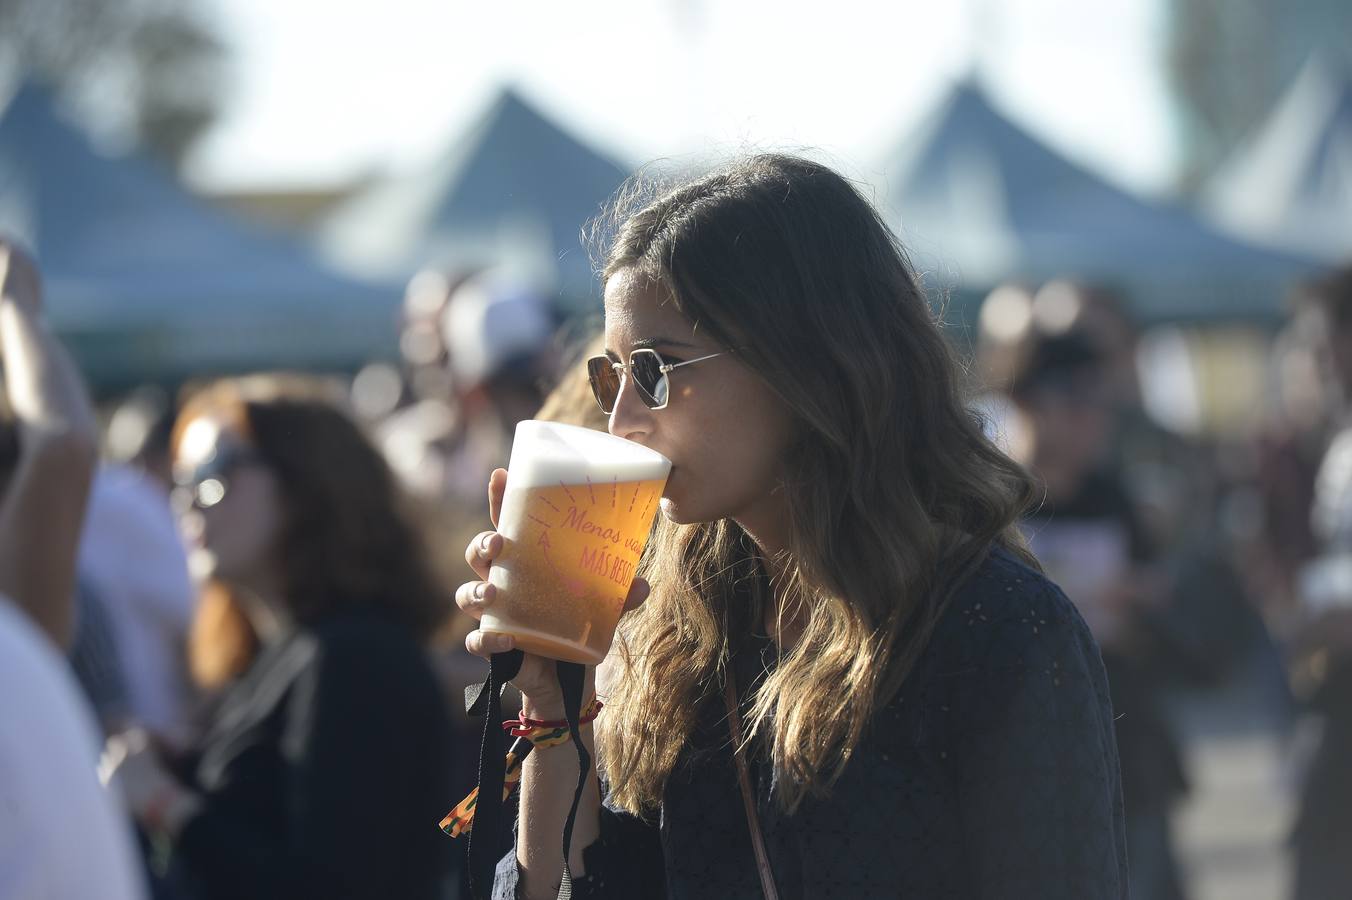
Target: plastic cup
point(575, 519)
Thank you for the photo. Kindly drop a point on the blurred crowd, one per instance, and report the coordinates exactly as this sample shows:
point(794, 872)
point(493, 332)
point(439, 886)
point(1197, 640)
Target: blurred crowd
point(227, 631)
point(1203, 559)
point(238, 604)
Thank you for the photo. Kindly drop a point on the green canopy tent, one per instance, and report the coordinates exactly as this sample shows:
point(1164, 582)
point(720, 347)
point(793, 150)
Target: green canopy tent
point(147, 283)
point(979, 200)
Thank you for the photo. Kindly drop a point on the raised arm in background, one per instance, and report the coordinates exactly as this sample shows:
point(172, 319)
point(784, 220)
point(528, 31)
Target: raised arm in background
point(42, 509)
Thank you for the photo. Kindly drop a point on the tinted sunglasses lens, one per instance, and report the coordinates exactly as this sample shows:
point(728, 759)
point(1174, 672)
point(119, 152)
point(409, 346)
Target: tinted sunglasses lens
point(206, 485)
point(646, 368)
point(605, 382)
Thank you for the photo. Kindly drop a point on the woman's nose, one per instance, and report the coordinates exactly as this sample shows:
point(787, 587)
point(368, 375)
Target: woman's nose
point(630, 418)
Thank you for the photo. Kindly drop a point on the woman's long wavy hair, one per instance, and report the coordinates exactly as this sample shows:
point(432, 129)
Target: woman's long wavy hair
point(893, 493)
point(348, 539)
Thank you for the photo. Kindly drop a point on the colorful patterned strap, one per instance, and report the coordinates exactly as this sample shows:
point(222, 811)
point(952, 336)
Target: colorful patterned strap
point(461, 819)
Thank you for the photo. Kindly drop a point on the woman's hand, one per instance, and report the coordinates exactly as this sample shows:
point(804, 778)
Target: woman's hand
point(536, 681)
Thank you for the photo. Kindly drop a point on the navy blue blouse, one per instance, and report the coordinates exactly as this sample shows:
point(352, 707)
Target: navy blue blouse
point(992, 774)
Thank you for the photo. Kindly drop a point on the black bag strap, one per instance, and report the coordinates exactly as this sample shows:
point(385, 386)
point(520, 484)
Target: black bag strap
point(489, 836)
point(571, 678)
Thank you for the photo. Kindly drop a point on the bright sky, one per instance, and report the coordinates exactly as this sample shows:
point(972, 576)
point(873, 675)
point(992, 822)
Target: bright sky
point(324, 91)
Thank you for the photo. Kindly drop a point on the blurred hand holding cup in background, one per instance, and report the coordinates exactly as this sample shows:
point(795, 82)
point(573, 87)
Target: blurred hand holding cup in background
point(576, 516)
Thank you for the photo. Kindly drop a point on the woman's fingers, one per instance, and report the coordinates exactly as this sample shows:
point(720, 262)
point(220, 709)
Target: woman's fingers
point(485, 644)
point(488, 544)
point(473, 597)
point(482, 550)
point(638, 592)
point(497, 489)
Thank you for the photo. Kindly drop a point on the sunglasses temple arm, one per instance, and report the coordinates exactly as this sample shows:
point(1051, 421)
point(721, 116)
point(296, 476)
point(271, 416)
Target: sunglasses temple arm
point(689, 362)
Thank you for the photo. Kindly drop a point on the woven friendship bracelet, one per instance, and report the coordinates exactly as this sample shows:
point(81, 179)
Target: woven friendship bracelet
point(540, 734)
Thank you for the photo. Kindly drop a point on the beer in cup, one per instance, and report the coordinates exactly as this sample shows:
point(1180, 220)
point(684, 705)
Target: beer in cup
point(575, 518)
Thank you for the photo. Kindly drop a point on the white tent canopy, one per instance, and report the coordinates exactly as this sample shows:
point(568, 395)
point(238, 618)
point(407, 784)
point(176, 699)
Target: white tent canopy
point(979, 200)
point(1291, 183)
point(146, 282)
point(516, 189)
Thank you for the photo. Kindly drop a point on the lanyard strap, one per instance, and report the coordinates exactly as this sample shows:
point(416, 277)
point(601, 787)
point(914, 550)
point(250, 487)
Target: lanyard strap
point(571, 677)
point(488, 838)
point(767, 875)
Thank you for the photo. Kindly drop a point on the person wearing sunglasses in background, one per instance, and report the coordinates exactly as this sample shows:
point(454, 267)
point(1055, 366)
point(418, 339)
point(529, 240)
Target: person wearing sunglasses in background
point(323, 768)
point(837, 568)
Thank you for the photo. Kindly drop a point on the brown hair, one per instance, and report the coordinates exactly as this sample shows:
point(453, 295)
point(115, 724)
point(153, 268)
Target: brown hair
point(221, 639)
point(894, 493)
point(571, 401)
point(348, 539)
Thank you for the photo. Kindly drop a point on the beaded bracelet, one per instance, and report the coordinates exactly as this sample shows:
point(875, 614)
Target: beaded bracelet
point(539, 734)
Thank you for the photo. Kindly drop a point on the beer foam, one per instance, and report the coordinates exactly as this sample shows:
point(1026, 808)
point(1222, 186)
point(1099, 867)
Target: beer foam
point(547, 453)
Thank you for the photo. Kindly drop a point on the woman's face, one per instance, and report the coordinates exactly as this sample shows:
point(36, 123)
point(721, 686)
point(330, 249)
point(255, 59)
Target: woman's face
point(231, 506)
point(724, 431)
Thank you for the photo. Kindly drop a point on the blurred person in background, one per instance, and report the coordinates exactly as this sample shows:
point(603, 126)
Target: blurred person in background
point(323, 769)
point(1321, 643)
point(1155, 464)
point(61, 834)
point(1311, 403)
point(478, 358)
point(479, 354)
point(133, 565)
point(1159, 469)
point(499, 337)
point(415, 406)
point(1087, 535)
point(1171, 484)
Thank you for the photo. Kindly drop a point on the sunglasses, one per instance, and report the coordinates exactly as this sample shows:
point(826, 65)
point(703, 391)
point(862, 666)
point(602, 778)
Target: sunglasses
point(207, 484)
point(646, 368)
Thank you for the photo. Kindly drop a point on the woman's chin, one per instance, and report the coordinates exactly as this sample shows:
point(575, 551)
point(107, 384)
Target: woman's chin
point(681, 514)
point(672, 512)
